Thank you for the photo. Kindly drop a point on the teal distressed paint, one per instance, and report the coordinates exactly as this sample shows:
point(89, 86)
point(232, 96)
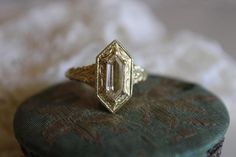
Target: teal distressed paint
point(165, 117)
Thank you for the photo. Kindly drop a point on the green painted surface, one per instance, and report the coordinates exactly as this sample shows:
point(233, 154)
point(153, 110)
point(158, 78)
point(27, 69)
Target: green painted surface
point(165, 117)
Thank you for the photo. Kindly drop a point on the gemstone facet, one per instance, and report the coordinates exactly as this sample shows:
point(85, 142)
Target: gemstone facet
point(114, 76)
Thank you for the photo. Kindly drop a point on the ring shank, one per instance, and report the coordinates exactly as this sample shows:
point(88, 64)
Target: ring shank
point(139, 74)
point(87, 74)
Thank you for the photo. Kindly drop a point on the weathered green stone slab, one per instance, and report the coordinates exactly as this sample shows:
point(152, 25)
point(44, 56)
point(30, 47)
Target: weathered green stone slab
point(165, 117)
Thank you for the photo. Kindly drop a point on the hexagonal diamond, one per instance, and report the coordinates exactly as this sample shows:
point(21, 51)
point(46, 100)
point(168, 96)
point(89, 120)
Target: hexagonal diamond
point(114, 76)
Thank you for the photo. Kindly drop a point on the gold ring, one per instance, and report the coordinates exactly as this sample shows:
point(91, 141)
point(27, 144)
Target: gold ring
point(113, 76)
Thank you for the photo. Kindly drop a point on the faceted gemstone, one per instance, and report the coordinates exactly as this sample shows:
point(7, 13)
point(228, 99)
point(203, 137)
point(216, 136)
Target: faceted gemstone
point(114, 76)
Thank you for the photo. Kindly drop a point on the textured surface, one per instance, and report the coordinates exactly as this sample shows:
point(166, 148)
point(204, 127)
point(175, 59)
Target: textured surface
point(39, 44)
point(164, 117)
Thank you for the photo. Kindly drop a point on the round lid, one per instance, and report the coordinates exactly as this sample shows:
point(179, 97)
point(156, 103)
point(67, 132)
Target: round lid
point(164, 117)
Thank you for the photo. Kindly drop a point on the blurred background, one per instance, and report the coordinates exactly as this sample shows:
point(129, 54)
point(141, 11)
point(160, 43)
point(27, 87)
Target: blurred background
point(188, 39)
point(212, 18)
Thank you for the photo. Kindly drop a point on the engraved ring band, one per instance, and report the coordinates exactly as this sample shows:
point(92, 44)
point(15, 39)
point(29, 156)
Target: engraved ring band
point(113, 76)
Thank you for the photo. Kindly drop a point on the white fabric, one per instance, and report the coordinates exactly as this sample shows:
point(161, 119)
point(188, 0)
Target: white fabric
point(37, 48)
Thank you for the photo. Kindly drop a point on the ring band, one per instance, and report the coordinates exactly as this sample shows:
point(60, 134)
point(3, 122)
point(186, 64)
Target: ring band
point(113, 76)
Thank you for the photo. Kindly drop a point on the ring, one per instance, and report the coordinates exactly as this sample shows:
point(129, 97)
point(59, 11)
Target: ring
point(113, 76)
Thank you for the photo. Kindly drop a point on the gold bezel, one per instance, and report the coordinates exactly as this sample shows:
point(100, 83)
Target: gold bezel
point(114, 49)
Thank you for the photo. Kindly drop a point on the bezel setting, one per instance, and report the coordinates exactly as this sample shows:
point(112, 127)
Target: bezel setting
point(114, 76)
